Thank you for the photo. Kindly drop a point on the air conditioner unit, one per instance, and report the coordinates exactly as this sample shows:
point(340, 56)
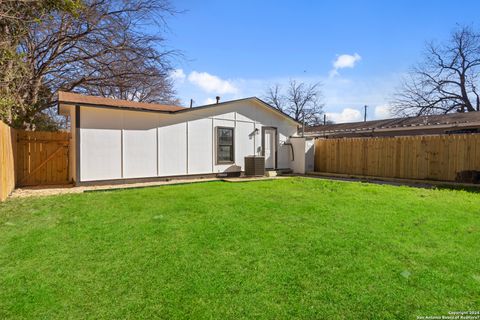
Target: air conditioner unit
point(254, 166)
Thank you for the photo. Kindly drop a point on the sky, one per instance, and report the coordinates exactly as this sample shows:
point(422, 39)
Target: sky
point(358, 50)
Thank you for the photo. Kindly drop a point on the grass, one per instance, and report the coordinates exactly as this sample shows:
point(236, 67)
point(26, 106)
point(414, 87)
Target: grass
point(293, 248)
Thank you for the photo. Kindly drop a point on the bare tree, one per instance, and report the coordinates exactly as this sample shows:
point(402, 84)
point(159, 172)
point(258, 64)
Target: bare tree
point(147, 84)
point(446, 81)
point(101, 49)
point(15, 18)
point(301, 101)
point(274, 97)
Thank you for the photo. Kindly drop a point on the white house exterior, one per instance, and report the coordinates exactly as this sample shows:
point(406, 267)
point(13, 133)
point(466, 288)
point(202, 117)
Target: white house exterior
point(118, 140)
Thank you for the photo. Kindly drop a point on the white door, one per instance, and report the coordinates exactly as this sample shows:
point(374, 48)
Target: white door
point(269, 148)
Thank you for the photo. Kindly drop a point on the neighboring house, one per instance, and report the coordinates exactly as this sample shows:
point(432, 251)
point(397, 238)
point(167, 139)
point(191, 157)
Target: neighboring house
point(468, 122)
point(118, 139)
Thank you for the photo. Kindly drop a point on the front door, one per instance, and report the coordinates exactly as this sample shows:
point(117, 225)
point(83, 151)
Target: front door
point(269, 147)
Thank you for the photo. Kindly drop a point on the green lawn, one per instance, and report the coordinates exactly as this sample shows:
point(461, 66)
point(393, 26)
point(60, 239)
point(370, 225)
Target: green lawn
point(292, 248)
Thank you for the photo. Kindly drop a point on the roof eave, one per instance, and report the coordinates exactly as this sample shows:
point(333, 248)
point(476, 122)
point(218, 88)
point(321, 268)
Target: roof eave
point(113, 107)
point(259, 101)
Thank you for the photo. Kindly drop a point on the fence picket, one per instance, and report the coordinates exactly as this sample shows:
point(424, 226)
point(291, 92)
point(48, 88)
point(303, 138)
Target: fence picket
point(438, 157)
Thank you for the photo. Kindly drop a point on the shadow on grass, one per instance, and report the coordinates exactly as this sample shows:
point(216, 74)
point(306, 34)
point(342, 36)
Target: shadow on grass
point(409, 183)
point(471, 189)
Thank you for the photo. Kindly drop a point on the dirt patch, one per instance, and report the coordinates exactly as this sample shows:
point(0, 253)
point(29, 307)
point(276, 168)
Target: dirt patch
point(41, 191)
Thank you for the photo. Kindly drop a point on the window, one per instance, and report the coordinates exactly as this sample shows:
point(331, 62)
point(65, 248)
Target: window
point(225, 145)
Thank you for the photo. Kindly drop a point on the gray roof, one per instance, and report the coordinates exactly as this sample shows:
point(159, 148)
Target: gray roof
point(421, 122)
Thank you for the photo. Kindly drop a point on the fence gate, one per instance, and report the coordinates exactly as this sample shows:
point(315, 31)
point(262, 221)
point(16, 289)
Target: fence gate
point(42, 158)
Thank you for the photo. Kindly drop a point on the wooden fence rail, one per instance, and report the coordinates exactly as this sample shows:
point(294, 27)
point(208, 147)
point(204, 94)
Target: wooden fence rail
point(438, 157)
point(7, 160)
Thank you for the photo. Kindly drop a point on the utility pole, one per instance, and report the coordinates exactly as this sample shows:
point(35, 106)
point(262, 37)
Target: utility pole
point(365, 114)
point(324, 119)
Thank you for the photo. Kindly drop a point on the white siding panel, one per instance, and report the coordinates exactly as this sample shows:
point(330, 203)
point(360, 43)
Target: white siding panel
point(200, 144)
point(226, 116)
point(223, 123)
point(254, 113)
point(298, 165)
point(242, 116)
point(284, 151)
point(140, 144)
point(100, 144)
point(172, 150)
point(258, 140)
point(244, 139)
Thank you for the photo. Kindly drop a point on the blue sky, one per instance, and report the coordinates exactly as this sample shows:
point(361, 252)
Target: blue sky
point(237, 49)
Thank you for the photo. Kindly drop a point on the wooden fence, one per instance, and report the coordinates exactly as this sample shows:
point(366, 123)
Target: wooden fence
point(417, 157)
point(7, 160)
point(42, 158)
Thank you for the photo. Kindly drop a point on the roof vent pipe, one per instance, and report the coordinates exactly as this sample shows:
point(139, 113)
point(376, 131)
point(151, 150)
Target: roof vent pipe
point(218, 99)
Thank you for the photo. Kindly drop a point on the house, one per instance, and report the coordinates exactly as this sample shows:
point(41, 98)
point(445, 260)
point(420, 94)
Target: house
point(424, 125)
point(117, 140)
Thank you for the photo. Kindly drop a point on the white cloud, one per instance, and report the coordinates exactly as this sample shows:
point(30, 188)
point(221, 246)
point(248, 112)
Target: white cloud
point(211, 83)
point(178, 75)
point(339, 92)
point(346, 115)
point(209, 101)
point(382, 112)
point(344, 61)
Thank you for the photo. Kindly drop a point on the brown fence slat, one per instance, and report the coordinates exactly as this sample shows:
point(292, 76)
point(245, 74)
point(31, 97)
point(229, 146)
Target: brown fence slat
point(7, 160)
point(438, 157)
point(42, 158)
